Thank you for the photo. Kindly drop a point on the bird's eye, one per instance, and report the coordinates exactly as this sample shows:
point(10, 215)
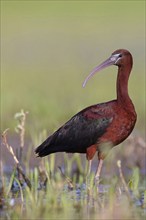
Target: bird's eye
point(120, 55)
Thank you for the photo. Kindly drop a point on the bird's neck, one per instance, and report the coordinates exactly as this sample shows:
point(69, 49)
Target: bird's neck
point(122, 85)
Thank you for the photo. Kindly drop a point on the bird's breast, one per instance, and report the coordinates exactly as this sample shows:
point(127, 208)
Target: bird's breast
point(120, 128)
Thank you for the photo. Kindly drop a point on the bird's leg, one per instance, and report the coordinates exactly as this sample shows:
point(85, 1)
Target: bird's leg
point(89, 167)
point(88, 173)
point(98, 171)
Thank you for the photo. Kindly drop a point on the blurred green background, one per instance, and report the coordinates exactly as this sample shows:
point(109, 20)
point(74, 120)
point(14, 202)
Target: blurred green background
point(49, 47)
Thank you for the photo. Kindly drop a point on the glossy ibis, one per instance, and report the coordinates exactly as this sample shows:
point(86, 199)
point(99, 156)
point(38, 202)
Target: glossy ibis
point(99, 125)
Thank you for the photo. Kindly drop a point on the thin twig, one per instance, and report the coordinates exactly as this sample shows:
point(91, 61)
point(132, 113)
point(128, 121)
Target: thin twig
point(10, 149)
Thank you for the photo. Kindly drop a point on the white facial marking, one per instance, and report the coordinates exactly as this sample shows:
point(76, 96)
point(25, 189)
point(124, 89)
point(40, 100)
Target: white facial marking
point(114, 57)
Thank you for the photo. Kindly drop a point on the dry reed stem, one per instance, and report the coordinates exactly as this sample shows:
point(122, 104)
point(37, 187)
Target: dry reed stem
point(1, 174)
point(21, 129)
point(10, 149)
point(67, 179)
point(44, 177)
point(123, 180)
point(2, 188)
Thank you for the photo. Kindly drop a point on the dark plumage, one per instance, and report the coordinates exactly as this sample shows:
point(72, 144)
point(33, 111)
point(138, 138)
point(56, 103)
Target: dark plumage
point(81, 131)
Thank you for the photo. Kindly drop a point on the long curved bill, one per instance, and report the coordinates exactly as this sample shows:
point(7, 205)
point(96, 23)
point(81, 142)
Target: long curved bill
point(110, 61)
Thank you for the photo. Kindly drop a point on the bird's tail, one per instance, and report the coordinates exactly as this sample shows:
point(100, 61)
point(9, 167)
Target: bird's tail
point(49, 147)
point(43, 151)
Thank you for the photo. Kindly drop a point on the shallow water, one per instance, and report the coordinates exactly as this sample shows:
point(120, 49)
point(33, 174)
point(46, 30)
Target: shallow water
point(80, 203)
